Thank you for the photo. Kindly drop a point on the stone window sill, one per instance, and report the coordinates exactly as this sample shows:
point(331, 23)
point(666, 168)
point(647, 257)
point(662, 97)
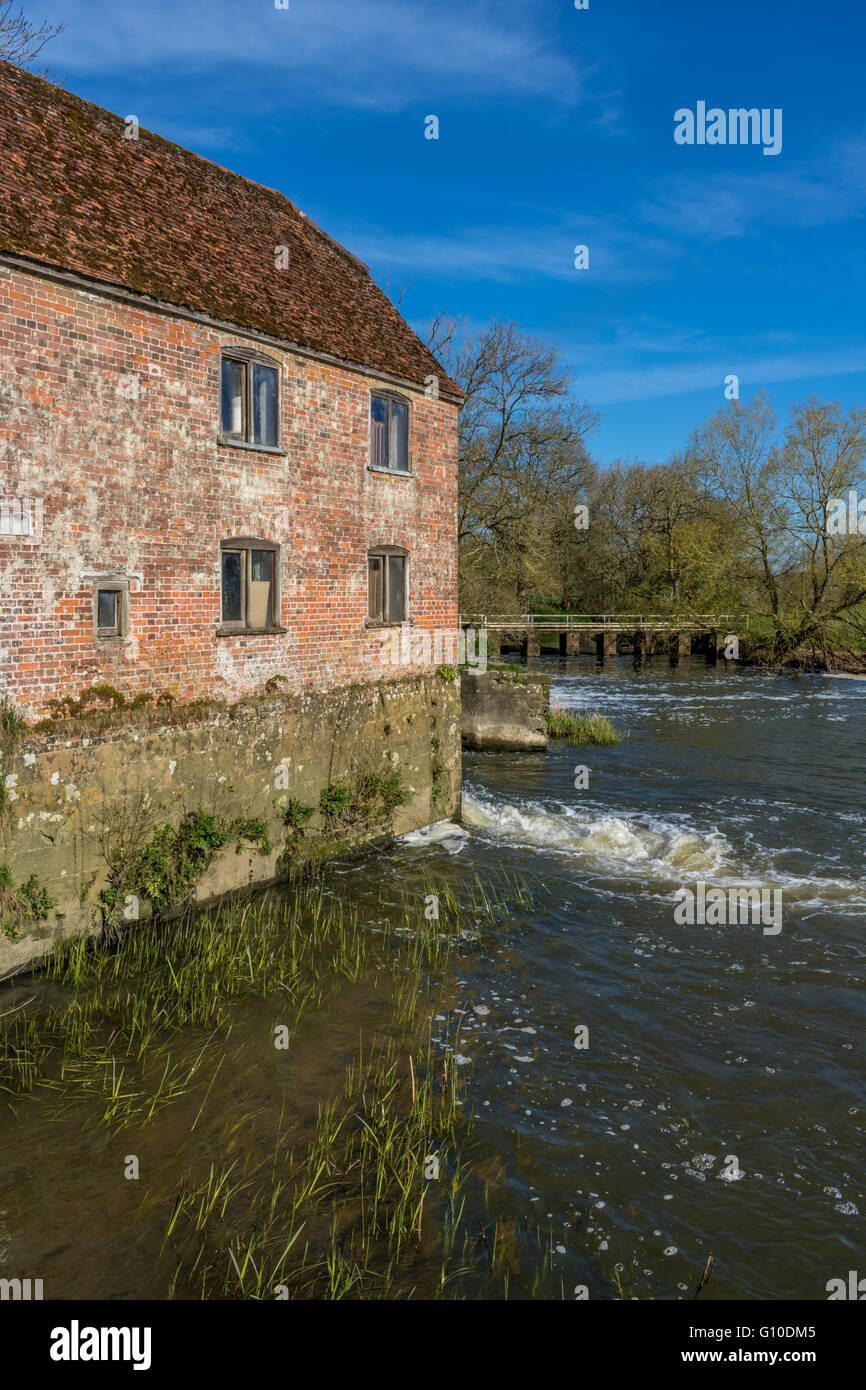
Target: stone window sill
point(372, 626)
point(391, 472)
point(227, 443)
point(251, 631)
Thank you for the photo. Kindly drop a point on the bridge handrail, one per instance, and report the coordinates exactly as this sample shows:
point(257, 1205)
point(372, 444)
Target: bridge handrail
point(710, 620)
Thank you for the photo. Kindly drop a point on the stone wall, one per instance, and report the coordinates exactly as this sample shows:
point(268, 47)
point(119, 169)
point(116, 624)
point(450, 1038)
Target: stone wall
point(505, 708)
point(72, 800)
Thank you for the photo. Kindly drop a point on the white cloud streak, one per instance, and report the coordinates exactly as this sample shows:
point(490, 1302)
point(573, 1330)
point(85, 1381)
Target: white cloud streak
point(382, 54)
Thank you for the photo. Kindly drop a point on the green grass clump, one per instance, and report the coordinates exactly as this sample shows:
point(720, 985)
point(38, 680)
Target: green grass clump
point(580, 729)
point(167, 869)
point(380, 795)
point(295, 815)
point(334, 802)
point(374, 798)
point(24, 907)
point(381, 1195)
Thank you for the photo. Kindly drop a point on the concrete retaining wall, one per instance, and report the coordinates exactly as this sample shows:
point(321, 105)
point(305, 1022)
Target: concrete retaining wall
point(505, 709)
point(70, 799)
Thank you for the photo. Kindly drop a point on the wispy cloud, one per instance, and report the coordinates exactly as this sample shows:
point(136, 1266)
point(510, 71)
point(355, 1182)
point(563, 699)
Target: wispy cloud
point(812, 193)
point(380, 54)
point(514, 254)
point(632, 372)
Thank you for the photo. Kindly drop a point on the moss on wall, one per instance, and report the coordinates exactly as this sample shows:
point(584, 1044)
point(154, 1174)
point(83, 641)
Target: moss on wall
point(141, 816)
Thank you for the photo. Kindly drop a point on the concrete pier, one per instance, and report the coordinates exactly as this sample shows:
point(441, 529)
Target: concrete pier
point(605, 646)
point(680, 647)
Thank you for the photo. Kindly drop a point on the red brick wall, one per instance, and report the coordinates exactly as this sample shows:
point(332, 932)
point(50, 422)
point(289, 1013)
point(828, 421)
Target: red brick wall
point(142, 486)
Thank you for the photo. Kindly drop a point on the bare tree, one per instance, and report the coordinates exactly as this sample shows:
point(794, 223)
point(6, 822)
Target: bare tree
point(395, 292)
point(522, 439)
point(21, 41)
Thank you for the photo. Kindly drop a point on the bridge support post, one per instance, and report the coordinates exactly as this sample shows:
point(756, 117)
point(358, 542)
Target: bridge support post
point(716, 649)
point(639, 647)
point(533, 645)
point(680, 647)
point(572, 643)
point(586, 643)
point(605, 646)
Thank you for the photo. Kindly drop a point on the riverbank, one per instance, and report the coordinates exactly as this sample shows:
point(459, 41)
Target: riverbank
point(834, 663)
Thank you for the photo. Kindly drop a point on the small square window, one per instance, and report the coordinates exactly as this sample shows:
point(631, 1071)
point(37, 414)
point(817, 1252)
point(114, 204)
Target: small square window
point(106, 619)
point(109, 610)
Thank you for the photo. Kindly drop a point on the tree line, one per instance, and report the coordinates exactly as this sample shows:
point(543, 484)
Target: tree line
point(735, 521)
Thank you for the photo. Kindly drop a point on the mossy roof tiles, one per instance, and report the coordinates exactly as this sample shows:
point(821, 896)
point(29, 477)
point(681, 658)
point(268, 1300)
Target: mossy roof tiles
point(153, 218)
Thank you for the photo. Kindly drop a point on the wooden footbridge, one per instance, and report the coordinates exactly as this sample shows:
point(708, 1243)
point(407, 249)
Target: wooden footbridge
point(600, 633)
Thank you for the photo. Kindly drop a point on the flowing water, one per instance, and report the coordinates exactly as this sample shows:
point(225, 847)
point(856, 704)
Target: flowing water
point(718, 1105)
point(706, 1043)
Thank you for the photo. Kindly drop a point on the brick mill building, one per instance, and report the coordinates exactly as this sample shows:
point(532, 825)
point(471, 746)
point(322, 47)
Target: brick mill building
point(224, 455)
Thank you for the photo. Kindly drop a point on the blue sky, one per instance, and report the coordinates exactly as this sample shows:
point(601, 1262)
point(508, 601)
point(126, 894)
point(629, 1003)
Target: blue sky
point(555, 129)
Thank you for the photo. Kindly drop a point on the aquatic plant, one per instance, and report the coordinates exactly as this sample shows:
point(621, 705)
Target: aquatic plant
point(377, 1199)
point(580, 729)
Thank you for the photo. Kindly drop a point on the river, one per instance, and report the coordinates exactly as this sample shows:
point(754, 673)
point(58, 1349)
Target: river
point(704, 1041)
point(718, 1105)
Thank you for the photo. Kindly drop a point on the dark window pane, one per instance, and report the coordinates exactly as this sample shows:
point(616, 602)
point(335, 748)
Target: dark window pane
point(261, 588)
point(396, 574)
point(398, 454)
point(264, 405)
point(232, 586)
point(106, 609)
point(378, 432)
point(375, 606)
point(233, 378)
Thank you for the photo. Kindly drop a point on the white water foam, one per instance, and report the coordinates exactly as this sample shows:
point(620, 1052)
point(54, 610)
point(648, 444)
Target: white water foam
point(659, 848)
point(444, 832)
point(653, 849)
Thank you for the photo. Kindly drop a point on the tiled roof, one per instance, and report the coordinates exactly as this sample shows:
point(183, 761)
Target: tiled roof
point(158, 220)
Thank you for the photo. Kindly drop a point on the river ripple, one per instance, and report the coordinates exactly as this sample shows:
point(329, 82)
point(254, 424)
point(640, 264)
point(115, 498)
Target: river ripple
point(706, 1044)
